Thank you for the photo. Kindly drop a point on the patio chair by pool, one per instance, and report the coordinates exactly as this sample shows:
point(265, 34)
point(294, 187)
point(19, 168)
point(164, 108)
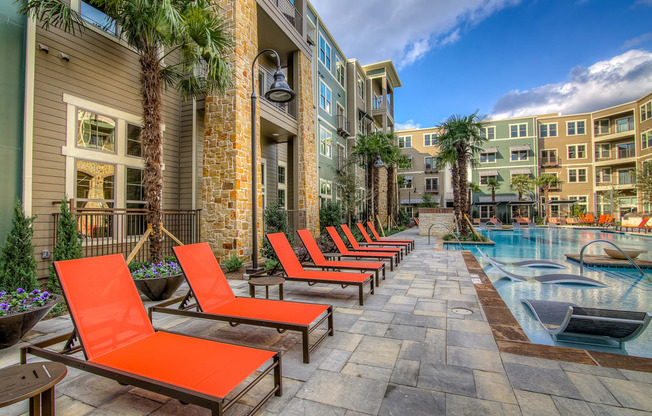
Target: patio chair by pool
point(355, 246)
point(588, 324)
point(295, 272)
point(405, 244)
point(525, 263)
point(215, 300)
point(345, 252)
point(381, 239)
point(640, 226)
point(416, 220)
point(554, 221)
point(120, 343)
point(319, 260)
point(560, 278)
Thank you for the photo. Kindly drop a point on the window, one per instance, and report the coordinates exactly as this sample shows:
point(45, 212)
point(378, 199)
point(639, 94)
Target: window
point(339, 70)
point(430, 139)
point(485, 179)
point(601, 127)
point(95, 131)
point(360, 86)
point(341, 157)
point(281, 172)
point(577, 151)
point(625, 124)
point(135, 188)
point(404, 141)
point(432, 184)
point(325, 95)
point(97, 18)
point(281, 181)
point(603, 175)
point(582, 201)
point(573, 128)
point(95, 186)
point(325, 143)
point(646, 111)
point(549, 157)
point(577, 175)
point(488, 132)
point(325, 191)
point(280, 197)
point(324, 52)
point(626, 177)
point(517, 130)
point(548, 130)
point(134, 143)
point(430, 163)
point(406, 182)
point(602, 151)
point(487, 157)
point(626, 150)
point(646, 139)
point(519, 155)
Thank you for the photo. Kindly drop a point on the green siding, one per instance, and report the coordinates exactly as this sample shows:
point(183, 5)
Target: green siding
point(12, 88)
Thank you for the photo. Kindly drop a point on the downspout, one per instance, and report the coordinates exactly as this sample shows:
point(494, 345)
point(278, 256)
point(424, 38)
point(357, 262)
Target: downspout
point(28, 115)
point(194, 155)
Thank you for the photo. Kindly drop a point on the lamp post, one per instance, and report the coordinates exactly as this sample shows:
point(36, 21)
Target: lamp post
point(279, 92)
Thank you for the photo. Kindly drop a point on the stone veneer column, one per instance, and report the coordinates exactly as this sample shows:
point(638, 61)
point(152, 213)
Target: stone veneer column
point(307, 181)
point(382, 197)
point(226, 184)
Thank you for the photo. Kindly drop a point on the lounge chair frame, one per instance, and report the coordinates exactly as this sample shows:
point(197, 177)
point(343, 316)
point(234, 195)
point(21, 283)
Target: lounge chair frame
point(368, 241)
point(367, 248)
point(381, 239)
point(392, 257)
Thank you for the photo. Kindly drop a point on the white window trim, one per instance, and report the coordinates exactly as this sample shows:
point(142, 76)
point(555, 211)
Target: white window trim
point(527, 155)
point(576, 133)
point(489, 153)
point(404, 141)
point(432, 139)
point(330, 109)
point(357, 81)
point(327, 182)
point(331, 145)
point(339, 61)
point(624, 170)
point(586, 153)
point(425, 181)
point(282, 186)
point(548, 125)
point(648, 134)
point(319, 52)
point(518, 130)
point(642, 107)
point(487, 131)
point(577, 174)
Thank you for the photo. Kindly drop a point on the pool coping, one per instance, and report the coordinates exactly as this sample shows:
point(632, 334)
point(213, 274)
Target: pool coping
point(511, 338)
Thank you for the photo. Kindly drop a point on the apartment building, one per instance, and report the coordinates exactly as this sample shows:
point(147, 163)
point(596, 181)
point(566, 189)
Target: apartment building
point(422, 177)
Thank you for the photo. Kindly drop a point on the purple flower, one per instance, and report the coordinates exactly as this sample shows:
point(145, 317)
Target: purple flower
point(45, 295)
point(4, 306)
point(2, 292)
point(20, 290)
point(35, 292)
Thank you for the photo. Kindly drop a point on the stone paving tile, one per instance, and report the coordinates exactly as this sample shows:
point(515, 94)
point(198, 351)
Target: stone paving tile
point(471, 340)
point(290, 389)
point(630, 394)
point(130, 405)
point(341, 390)
point(423, 321)
point(377, 352)
point(494, 387)
point(335, 360)
point(469, 406)
point(343, 341)
point(605, 410)
point(369, 328)
point(402, 400)
point(377, 316)
point(535, 404)
point(594, 370)
point(531, 361)
point(571, 407)
point(406, 372)
point(635, 376)
point(175, 408)
point(405, 332)
point(446, 378)
point(294, 367)
point(592, 389)
point(91, 389)
point(427, 352)
point(541, 380)
point(463, 325)
point(474, 358)
point(367, 371)
point(298, 407)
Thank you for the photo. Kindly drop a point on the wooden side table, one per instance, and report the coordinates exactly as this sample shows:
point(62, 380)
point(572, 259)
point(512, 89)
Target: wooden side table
point(266, 281)
point(34, 382)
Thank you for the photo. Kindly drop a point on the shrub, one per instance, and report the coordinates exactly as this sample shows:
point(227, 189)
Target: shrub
point(271, 264)
point(403, 217)
point(68, 246)
point(330, 215)
point(233, 263)
point(17, 263)
point(276, 221)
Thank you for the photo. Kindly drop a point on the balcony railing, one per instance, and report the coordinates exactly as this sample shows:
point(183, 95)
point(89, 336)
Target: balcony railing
point(343, 126)
point(549, 161)
point(291, 14)
point(626, 153)
point(265, 80)
point(117, 231)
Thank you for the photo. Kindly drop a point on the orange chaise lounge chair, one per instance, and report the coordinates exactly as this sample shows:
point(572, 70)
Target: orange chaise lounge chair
point(295, 272)
point(379, 238)
point(355, 246)
point(319, 260)
point(215, 300)
point(119, 343)
point(383, 243)
point(345, 252)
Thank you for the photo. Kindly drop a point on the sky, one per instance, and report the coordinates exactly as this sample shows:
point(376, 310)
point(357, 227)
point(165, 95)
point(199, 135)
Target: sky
point(505, 58)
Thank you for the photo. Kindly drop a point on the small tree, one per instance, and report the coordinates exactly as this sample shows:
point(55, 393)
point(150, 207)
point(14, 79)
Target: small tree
point(68, 245)
point(522, 183)
point(276, 221)
point(545, 181)
point(493, 183)
point(428, 202)
point(17, 263)
point(644, 184)
point(330, 215)
point(347, 186)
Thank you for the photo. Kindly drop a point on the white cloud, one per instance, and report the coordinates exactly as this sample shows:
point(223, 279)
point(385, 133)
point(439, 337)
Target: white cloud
point(401, 30)
point(408, 125)
point(618, 80)
point(630, 43)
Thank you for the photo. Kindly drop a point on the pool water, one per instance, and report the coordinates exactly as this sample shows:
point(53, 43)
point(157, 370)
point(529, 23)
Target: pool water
point(626, 289)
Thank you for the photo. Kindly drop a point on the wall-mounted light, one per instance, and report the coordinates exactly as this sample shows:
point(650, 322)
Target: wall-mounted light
point(42, 47)
point(64, 57)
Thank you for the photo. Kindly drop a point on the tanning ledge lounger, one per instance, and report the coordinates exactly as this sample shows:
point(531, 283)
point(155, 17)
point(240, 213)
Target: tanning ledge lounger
point(551, 278)
point(215, 300)
point(294, 270)
point(568, 319)
point(526, 263)
point(356, 247)
point(381, 239)
point(320, 261)
point(386, 243)
point(345, 252)
point(119, 343)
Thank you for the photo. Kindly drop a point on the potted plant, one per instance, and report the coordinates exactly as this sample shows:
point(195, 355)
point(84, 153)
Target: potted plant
point(20, 311)
point(157, 281)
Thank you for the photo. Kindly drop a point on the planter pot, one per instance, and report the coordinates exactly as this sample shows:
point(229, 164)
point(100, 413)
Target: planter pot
point(14, 327)
point(159, 288)
point(615, 254)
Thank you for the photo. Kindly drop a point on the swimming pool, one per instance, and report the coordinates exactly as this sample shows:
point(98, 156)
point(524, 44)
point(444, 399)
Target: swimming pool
point(626, 289)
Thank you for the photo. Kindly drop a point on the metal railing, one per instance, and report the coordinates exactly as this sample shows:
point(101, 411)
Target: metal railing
point(549, 161)
point(106, 231)
point(265, 80)
point(343, 125)
point(624, 153)
point(291, 14)
point(449, 230)
point(618, 248)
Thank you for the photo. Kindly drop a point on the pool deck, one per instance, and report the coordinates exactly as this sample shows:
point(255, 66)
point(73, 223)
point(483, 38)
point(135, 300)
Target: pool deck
point(606, 261)
point(405, 352)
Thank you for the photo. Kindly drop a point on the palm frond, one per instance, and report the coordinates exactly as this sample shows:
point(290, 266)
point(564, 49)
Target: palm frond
point(54, 13)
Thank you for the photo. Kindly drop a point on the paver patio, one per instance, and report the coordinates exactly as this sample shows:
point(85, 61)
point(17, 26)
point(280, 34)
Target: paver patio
point(405, 352)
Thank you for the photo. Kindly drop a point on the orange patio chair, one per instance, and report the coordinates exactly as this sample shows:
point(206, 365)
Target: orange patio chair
point(601, 219)
point(319, 260)
point(590, 218)
point(345, 252)
point(640, 226)
point(294, 270)
point(553, 221)
point(378, 238)
point(215, 300)
point(356, 247)
point(416, 220)
point(383, 243)
point(120, 343)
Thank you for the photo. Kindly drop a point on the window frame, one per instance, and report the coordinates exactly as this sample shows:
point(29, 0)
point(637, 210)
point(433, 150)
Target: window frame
point(340, 71)
point(646, 139)
point(360, 86)
point(323, 97)
point(406, 140)
point(547, 126)
point(598, 127)
point(600, 154)
point(282, 186)
point(577, 175)
point(431, 139)
point(519, 152)
point(327, 57)
point(487, 157)
point(575, 127)
point(647, 112)
point(625, 118)
point(518, 130)
point(431, 179)
point(575, 146)
point(327, 150)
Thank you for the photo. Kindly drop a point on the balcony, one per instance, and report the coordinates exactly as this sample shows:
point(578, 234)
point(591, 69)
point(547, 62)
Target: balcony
point(343, 126)
point(549, 162)
point(379, 104)
point(291, 14)
point(265, 80)
point(431, 169)
point(625, 153)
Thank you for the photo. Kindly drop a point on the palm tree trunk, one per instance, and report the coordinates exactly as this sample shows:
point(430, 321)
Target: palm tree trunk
point(390, 191)
point(493, 200)
point(376, 176)
point(455, 179)
point(151, 137)
point(370, 189)
point(463, 186)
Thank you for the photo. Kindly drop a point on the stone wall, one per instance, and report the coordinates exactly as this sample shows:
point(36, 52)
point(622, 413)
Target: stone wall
point(429, 216)
point(382, 195)
point(226, 185)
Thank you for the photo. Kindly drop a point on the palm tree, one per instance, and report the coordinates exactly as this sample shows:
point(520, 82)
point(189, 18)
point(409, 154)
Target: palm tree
point(366, 152)
point(474, 188)
point(461, 137)
point(545, 181)
point(158, 30)
point(493, 183)
point(522, 183)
